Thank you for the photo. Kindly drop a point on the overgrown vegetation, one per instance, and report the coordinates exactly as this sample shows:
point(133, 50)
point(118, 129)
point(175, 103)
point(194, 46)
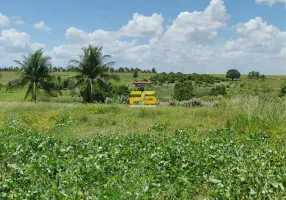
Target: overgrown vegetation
point(183, 91)
point(155, 165)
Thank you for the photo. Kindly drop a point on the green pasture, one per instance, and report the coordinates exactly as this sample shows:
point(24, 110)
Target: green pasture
point(164, 92)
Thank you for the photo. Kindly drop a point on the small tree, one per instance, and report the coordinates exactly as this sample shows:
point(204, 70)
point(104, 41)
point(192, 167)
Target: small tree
point(154, 70)
point(255, 75)
point(184, 91)
point(232, 74)
point(283, 91)
point(136, 74)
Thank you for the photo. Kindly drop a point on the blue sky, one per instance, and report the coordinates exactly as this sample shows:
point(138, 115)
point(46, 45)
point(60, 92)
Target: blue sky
point(206, 36)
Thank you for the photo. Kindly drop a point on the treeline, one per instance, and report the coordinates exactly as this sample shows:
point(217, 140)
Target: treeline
point(180, 77)
point(132, 70)
point(51, 69)
point(73, 69)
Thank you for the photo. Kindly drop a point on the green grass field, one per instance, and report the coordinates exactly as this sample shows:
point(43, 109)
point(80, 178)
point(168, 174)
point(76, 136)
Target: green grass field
point(164, 93)
point(235, 150)
point(233, 147)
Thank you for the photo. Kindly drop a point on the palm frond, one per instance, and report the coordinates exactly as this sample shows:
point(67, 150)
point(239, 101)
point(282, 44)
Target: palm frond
point(50, 88)
point(110, 77)
point(16, 84)
point(80, 82)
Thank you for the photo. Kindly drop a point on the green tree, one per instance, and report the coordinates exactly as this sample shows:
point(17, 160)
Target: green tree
point(154, 70)
point(254, 75)
point(35, 73)
point(93, 72)
point(232, 74)
point(135, 74)
point(283, 90)
point(184, 91)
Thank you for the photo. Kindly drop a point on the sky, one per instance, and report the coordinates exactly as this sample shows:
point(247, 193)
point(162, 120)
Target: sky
point(205, 36)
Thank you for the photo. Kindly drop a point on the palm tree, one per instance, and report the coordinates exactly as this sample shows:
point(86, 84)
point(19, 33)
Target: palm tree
point(35, 73)
point(92, 70)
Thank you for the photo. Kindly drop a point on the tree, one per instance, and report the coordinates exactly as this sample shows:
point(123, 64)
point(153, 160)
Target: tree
point(254, 75)
point(283, 91)
point(184, 91)
point(35, 73)
point(135, 74)
point(93, 72)
point(154, 70)
point(232, 74)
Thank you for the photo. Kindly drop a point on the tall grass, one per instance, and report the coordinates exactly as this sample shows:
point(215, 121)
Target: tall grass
point(244, 113)
point(253, 113)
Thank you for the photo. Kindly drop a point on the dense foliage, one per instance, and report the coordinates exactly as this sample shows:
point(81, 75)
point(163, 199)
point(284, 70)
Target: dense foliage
point(179, 77)
point(218, 90)
point(184, 165)
point(255, 75)
point(232, 74)
point(183, 91)
point(283, 90)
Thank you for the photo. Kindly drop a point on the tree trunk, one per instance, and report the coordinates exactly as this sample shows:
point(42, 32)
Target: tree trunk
point(34, 92)
point(90, 97)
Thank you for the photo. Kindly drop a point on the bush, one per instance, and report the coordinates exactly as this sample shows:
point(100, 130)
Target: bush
point(117, 100)
point(121, 90)
point(99, 93)
point(218, 90)
point(183, 91)
point(283, 91)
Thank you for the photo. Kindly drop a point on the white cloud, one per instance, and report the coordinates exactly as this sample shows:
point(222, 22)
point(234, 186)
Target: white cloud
point(35, 46)
point(4, 20)
point(17, 20)
point(14, 44)
point(98, 37)
point(260, 46)
point(143, 26)
point(270, 2)
point(199, 26)
point(42, 26)
point(185, 44)
point(257, 36)
point(13, 39)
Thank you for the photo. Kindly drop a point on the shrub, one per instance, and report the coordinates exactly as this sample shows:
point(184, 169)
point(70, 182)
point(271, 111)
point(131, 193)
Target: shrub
point(172, 103)
point(117, 100)
point(218, 90)
point(121, 90)
point(99, 93)
point(283, 91)
point(183, 91)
